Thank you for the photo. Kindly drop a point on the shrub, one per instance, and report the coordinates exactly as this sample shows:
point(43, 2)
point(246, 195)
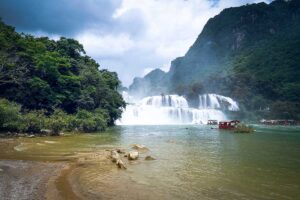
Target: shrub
point(89, 122)
point(58, 121)
point(10, 117)
point(33, 121)
point(243, 128)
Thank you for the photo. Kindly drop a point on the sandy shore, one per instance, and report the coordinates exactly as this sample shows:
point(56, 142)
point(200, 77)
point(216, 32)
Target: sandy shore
point(29, 179)
point(32, 169)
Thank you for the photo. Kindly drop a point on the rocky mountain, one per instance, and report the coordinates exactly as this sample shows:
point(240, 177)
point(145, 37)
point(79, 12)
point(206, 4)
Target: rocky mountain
point(250, 53)
point(148, 84)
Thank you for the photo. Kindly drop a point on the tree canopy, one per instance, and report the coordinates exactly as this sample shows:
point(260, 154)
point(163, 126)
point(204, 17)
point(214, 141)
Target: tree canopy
point(43, 74)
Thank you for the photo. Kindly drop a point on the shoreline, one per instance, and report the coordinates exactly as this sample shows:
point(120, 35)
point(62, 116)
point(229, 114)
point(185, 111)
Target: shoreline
point(47, 179)
point(24, 179)
point(27, 179)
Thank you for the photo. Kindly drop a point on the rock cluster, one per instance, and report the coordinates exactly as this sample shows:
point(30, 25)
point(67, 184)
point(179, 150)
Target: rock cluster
point(131, 155)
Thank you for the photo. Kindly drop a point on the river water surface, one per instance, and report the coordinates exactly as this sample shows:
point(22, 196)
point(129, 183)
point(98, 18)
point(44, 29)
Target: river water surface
point(192, 162)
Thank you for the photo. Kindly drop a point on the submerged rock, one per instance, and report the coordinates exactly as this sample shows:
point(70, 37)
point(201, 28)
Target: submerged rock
point(115, 157)
point(120, 151)
point(133, 155)
point(140, 147)
point(149, 158)
point(50, 142)
point(20, 147)
point(121, 164)
point(31, 136)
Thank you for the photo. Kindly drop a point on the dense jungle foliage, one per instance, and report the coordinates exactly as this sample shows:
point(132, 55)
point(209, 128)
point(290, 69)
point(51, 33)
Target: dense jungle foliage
point(53, 84)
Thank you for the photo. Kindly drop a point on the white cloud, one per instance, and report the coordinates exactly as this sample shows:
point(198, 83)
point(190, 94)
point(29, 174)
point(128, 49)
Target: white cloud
point(147, 70)
point(170, 28)
point(105, 46)
point(171, 25)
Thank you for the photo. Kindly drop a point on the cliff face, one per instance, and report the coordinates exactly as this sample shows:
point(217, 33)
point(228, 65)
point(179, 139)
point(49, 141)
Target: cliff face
point(231, 32)
point(244, 52)
point(148, 85)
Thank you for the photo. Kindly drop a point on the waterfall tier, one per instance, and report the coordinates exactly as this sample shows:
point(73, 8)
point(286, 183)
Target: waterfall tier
point(215, 101)
point(174, 109)
point(166, 101)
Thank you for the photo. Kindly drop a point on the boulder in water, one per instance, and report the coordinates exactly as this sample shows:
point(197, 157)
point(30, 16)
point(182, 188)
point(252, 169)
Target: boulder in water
point(140, 147)
point(133, 155)
point(121, 164)
point(149, 158)
point(115, 157)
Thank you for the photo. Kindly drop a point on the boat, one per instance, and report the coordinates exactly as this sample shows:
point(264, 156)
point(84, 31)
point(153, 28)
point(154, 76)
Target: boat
point(285, 122)
point(212, 122)
point(228, 124)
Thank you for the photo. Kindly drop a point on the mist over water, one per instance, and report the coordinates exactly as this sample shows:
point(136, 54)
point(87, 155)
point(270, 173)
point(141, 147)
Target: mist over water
point(174, 109)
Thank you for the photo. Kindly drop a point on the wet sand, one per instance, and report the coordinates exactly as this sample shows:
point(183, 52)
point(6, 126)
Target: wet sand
point(28, 179)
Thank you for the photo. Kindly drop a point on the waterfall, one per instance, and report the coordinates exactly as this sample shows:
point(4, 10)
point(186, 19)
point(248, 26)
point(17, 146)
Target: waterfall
point(166, 101)
point(174, 109)
point(215, 101)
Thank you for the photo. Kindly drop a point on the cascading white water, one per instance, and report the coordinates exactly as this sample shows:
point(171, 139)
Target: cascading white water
point(174, 109)
point(166, 101)
point(215, 101)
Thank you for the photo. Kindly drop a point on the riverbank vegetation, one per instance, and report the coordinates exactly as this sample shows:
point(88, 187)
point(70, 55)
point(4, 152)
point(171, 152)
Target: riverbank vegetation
point(54, 85)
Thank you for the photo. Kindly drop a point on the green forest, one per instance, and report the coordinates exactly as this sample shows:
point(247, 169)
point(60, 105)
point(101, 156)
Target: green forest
point(53, 85)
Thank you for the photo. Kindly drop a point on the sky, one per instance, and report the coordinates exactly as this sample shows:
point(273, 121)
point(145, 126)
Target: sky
point(131, 37)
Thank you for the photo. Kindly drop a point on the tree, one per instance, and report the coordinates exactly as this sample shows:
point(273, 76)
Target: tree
point(43, 74)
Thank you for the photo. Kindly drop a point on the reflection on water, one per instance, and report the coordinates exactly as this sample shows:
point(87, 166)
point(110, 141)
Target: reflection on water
point(193, 162)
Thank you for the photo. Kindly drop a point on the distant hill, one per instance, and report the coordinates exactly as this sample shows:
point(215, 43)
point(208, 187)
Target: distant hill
point(250, 53)
point(141, 86)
